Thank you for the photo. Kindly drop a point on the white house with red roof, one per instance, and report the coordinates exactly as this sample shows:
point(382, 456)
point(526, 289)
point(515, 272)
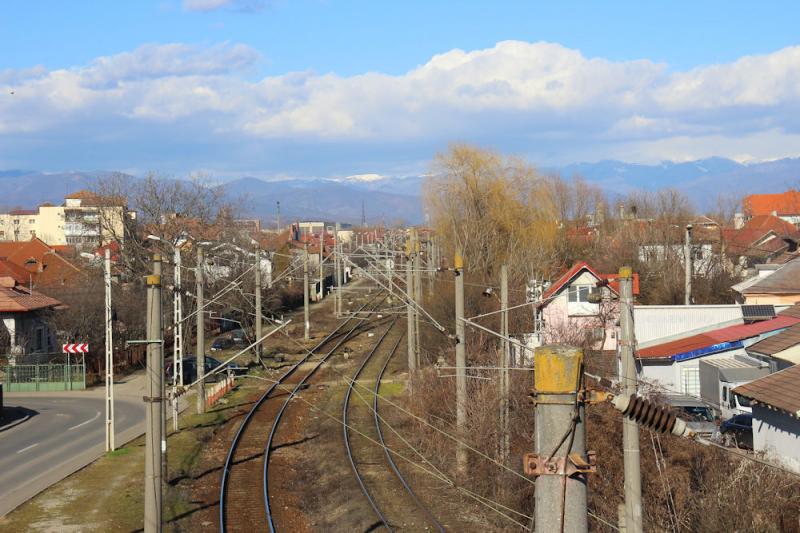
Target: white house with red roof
point(567, 315)
point(673, 367)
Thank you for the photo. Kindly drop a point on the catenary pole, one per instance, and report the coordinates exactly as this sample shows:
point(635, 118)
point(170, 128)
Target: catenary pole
point(559, 432)
point(410, 337)
point(461, 365)
point(336, 273)
point(177, 330)
point(200, 338)
point(321, 266)
point(688, 266)
point(305, 293)
point(259, 321)
point(505, 363)
point(417, 295)
point(109, 355)
point(153, 401)
point(630, 431)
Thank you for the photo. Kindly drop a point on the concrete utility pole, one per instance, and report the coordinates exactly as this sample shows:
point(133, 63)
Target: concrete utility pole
point(410, 336)
point(461, 365)
point(688, 266)
point(305, 292)
point(109, 356)
point(259, 322)
point(279, 216)
point(556, 383)
point(154, 440)
point(417, 294)
point(630, 431)
point(200, 338)
point(505, 363)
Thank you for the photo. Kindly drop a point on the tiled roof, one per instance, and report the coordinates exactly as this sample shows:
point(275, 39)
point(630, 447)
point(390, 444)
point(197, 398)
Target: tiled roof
point(770, 222)
point(780, 390)
point(50, 268)
point(19, 299)
point(786, 203)
point(577, 268)
point(777, 343)
point(717, 340)
point(785, 280)
point(12, 270)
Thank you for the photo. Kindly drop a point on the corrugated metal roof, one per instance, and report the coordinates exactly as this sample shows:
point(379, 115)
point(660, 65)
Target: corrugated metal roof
point(733, 369)
point(780, 390)
point(687, 347)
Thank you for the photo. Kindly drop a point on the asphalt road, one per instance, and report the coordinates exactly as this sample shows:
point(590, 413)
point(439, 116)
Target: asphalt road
point(66, 433)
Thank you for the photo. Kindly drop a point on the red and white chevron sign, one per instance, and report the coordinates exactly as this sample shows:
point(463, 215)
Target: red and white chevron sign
point(80, 347)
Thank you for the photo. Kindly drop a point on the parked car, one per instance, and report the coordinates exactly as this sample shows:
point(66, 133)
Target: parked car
point(222, 343)
point(738, 431)
point(239, 337)
point(699, 416)
point(211, 364)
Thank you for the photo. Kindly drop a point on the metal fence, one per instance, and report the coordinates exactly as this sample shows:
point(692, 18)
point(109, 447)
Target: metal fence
point(43, 377)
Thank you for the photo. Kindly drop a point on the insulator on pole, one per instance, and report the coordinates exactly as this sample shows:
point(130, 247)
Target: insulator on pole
point(651, 415)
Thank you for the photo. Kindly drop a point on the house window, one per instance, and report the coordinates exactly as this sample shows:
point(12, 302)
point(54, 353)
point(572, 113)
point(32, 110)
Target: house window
point(579, 294)
point(31, 221)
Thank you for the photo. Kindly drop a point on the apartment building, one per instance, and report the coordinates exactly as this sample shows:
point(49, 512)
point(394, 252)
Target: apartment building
point(85, 220)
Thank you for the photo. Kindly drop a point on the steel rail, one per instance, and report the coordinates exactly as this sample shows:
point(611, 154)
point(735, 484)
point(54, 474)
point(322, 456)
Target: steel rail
point(276, 421)
point(386, 450)
point(237, 438)
point(348, 448)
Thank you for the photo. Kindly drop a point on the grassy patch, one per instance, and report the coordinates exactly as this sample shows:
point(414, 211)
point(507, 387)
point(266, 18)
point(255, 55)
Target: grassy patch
point(391, 389)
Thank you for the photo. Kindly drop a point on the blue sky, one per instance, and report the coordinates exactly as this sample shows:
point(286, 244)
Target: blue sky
point(328, 88)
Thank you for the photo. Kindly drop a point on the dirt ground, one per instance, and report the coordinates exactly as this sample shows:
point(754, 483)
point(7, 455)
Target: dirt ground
point(312, 486)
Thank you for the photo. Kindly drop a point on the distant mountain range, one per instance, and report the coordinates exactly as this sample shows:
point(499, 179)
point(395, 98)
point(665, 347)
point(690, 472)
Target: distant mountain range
point(391, 200)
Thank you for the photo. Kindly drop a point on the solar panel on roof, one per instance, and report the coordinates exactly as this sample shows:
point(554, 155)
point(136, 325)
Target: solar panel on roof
point(753, 313)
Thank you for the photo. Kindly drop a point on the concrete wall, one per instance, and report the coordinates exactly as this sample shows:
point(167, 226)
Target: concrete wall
point(778, 435)
point(656, 324)
point(51, 225)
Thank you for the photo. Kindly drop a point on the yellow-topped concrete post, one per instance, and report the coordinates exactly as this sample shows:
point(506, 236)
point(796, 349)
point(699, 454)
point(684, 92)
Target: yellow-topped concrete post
point(560, 463)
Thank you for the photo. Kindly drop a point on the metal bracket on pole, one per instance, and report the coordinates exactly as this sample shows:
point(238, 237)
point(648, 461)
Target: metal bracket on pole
point(144, 341)
point(536, 465)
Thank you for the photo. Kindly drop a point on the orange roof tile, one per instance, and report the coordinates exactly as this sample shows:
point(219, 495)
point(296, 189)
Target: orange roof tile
point(786, 203)
point(19, 299)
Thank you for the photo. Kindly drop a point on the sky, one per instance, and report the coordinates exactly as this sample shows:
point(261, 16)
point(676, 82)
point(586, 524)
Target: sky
point(326, 88)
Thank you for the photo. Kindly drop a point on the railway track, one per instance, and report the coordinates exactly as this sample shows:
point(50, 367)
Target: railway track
point(241, 505)
point(406, 507)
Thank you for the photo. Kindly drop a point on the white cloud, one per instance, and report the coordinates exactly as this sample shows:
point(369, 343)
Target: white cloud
point(213, 5)
point(541, 98)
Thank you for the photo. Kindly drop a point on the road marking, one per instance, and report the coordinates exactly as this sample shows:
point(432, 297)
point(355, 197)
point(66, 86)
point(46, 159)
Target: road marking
point(95, 417)
point(26, 448)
